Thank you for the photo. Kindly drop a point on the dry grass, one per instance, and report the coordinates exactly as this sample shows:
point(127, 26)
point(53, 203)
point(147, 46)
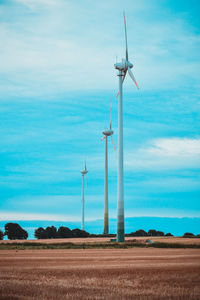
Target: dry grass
point(164, 239)
point(144, 273)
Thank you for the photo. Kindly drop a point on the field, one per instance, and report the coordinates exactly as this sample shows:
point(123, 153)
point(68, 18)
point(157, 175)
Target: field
point(135, 273)
point(177, 240)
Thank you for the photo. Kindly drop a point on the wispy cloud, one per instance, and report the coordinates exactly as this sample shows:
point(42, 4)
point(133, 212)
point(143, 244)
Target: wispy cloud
point(166, 153)
point(55, 47)
point(39, 4)
point(15, 216)
point(183, 147)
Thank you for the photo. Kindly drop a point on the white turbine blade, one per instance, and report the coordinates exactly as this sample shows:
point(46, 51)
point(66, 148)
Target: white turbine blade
point(126, 37)
point(124, 76)
point(122, 81)
point(132, 77)
point(103, 138)
point(113, 143)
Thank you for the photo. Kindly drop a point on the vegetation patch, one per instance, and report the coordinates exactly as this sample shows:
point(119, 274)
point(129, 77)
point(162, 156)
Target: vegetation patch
point(111, 245)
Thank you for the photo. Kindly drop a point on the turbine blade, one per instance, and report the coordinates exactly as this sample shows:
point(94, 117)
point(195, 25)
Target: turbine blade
point(132, 77)
point(124, 76)
point(113, 143)
point(122, 81)
point(126, 37)
point(103, 138)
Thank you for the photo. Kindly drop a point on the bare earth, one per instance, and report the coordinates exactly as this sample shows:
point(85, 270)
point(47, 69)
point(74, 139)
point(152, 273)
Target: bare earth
point(102, 239)
point(136, 273)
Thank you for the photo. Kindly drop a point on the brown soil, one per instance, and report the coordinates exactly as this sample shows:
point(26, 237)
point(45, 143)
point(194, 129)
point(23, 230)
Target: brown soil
point(101, 239)
point(137, 273)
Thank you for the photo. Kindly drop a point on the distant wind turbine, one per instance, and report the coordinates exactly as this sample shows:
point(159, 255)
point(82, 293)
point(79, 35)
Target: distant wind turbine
point(123, 67)
point(83, 172)
point(107, 133)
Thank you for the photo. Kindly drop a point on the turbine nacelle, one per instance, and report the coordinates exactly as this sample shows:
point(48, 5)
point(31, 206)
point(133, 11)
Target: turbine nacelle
point(84, 171)
point(108, 132)
point(124, 65)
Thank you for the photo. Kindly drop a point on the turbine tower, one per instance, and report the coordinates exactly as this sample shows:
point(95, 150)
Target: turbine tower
point(83, 172)
point(107, 133)
point(122, 67)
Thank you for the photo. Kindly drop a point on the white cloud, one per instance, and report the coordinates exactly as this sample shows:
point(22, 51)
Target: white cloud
point(35, 4)
point(35, 216)
point(166, 153)
point(15, 216)
point(176, 147)
point(64, 46)
point(161, 213)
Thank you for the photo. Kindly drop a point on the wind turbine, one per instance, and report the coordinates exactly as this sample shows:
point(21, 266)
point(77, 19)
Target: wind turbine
point(122, 67)
point(107, 133)
point(83, 172)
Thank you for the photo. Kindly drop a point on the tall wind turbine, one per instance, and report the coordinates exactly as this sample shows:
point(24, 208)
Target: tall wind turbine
point(107, 133)
point(83, 172)
point(122, 67)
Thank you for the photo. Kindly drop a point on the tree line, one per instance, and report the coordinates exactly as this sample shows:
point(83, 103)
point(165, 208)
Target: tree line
point(51, 232)
point(151, 232)
point(14, 231)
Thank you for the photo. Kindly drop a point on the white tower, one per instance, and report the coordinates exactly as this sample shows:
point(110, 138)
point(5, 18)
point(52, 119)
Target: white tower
point(83, 172)
point(107, 133)
point(122, 67)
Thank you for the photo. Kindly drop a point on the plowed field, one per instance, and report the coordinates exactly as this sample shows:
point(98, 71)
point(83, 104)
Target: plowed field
point(137, 273)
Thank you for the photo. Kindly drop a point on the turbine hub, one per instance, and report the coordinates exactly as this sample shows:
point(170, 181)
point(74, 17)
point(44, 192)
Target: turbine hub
point(108, 132)
point(124, 65)
point(83, 172)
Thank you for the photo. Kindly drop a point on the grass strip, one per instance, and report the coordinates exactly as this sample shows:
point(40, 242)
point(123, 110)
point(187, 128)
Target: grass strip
point(39, 246)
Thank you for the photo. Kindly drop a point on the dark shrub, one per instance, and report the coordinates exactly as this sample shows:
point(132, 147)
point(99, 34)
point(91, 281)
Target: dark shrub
point(51, 232)
point(64, 232)
point(1, 235)
point(139, 232)
point(79, 233)
point(40, 233)
point(168, 234)
point(188, 235)
point(14, 231)
point(160, 233)
point(153, 232)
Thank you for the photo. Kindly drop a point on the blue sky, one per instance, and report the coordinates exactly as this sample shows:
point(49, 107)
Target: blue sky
point(57, 78)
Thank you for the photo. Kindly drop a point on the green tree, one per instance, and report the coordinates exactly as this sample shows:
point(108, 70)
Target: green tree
point(160, 233)
point(79, 233)
point(188, 235)
point(1, 235)
point(51, 232)
point(168, 234)
point(139, 232)
point(152, 232)
point(40, 233)
point(14, 231)
point(64, 232)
